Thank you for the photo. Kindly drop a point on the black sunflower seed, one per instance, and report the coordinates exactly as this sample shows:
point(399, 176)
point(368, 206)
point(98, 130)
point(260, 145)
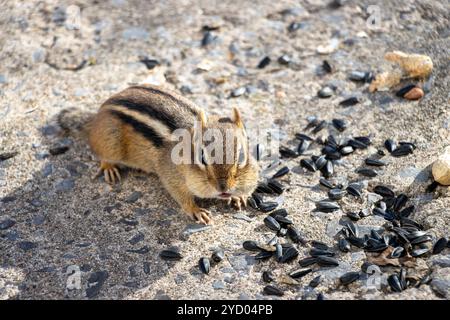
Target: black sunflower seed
point(348, 278)
point(384, 191)
point(390, 145)
point(312, 122)
point(272, 224)
point(170, 254)
point(401, 93)
point(205, 265)
point(251, 245)
point(263, 188)
point(352, 228)
point(328, 169)
point(344, 245)
point(295, 235)
point(413, 146)
point(208, 38)
point(432, 186)
point(218, 255)
point(419, 252)
point(356, 144)
point(263, 255)
point(394, 283)
point(339, 124)
point(264, 62)
point(268, 276)
point(402, 151)
point(302, 136)
point(320, 162)
point(357, 75)
point(326, 261)
point(279, 212)
point(364, 139)
point(303, 146)
point(315, 252)
point(349, 102)
point(421, 239)
point(319, 245)
point(287, 153)
point(280, 173)
point(149, 63)
point(272, 291)
point(319, 126)
point(252, 203)
point(440, 245)
point(8, 155)
point(327, 66)
point(397, 252)
point(400, 202)
point(308, 164)
point(357, 242)
point(284, 221)
point(354, 189)
point(315, 282)
point(267, 206)
point(284, 59)
point(402, 278)
point(278, 251)
point(336, 194)
point(289, 255)
point(307, 261)
point(273, 241)
point(353, 215)
point(367, 172)
point(374, 162)
point(258, 198)
point(326, 183)
point(58, 150)
point(327, 206)
point(275, 186)
point(300, 273)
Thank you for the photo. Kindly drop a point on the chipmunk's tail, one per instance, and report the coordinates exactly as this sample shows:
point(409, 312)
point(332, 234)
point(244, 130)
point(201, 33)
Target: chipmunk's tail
point(74, 121)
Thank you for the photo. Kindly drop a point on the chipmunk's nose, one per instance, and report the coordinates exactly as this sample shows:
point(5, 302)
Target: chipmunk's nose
point(222, 185)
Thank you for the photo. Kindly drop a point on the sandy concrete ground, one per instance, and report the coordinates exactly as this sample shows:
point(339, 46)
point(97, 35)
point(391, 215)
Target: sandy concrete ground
point(63, 222)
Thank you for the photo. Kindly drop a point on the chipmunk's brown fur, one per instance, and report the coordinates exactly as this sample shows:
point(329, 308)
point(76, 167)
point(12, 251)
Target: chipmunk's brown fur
point(134, 128)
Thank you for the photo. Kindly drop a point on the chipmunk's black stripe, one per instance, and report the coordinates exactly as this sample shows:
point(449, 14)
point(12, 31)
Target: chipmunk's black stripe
point(146, 131)
point(148, 110)
point(168, 95)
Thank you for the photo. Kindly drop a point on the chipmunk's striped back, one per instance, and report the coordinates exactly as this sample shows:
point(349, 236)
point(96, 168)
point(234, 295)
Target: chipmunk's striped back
point(152, 112)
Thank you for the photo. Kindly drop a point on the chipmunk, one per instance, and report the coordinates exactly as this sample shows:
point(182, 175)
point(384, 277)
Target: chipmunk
point(135, 128)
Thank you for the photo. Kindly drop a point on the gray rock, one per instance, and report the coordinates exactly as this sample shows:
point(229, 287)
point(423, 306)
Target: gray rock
point(325, 92)
point(141, 211)
point(441, 261)
point(161, 295)
point(36, 203)
point(12, 235)
point(193, 228)
point(65, 185)
point(129, 222)
point(229, 279)
point(136, 238)
point(95, 283)
point(440, 282)
point(143, 250)
point(218, 284)
point(416, 173)
point(38, 220)
point(47, 170)
point(133, 197)
point(441, 287)
point(38, 55)
point(81, 92)
point(244, 296)
point(180, 278)
point(6, 224)
point(146, 267)
point(241, 262)
point(135, 33)
point(2, 79)
point(238, 92)
point(59, 16)
point(27, 245)
point(49, 130)
point(241, 216)
point(335, 273)
point(373, 197)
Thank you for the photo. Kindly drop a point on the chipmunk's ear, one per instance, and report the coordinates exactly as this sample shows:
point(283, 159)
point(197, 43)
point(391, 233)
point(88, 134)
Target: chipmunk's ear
point(236, 118)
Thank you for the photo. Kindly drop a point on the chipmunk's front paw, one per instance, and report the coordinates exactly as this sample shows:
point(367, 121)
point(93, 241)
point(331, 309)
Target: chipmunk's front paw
point(110, 172)
point(238, 202)
point(200, 215)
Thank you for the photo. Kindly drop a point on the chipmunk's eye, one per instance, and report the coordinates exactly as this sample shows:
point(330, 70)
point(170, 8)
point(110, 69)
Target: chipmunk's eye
point(204, 158)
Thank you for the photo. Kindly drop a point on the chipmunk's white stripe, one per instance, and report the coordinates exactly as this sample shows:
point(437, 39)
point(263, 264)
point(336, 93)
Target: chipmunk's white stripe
point(160, 128)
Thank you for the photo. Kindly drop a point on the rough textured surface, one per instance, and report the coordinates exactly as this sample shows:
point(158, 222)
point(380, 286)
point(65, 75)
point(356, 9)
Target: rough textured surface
point(63, 235)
